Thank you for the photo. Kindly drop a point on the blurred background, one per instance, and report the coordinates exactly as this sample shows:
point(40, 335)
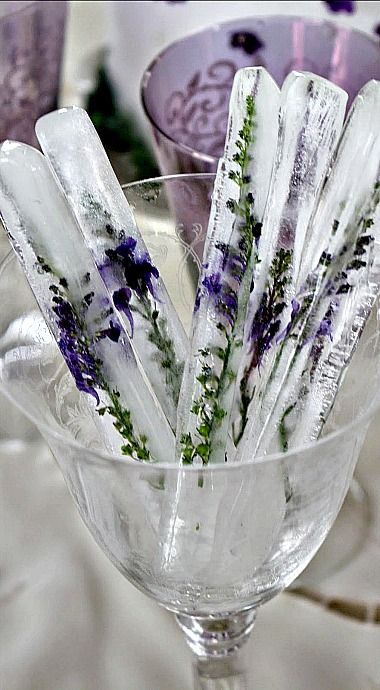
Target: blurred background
point(68, 620)
point(104, 64)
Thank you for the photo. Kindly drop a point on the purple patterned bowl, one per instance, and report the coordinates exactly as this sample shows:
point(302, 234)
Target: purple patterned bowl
point(31, 43)
point(185, 90)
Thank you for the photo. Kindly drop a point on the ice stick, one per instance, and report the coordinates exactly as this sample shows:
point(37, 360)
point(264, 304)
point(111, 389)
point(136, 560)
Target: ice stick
point(345, 192)
point(79, 161)
point(238, 203)
point(77, 307)
point(311, 118)
point(321, 359)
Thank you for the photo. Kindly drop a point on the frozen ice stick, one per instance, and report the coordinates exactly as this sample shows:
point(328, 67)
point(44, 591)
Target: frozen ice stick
point(77, 306)
point(352, 177)
point(238, 203)
point(216, 527)
point(322, 358)
point(79, 161)
point(311, 118)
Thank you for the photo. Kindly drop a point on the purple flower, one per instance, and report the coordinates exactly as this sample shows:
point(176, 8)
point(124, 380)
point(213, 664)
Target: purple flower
point(213, 283)
point(295, 309)
point(325, 328)
point(227, 305)
point(210, 285)
point(121, 299)
point(341, 5)
point(198, 298)
point(75, 349)
point(138, 271)
point(225, 252)
point(112, 332)
point(247, 41)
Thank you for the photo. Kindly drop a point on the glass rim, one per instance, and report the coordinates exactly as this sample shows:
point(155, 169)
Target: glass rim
point(279, 456)
point(219, 26)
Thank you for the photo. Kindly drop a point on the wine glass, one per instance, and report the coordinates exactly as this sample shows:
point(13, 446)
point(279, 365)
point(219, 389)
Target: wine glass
point(214, 543)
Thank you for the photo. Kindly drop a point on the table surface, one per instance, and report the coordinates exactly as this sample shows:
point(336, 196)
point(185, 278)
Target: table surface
point(69, 621)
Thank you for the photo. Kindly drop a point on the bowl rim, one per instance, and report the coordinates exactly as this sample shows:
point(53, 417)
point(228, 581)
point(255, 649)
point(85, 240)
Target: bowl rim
point(360, 421)
point(220, 26)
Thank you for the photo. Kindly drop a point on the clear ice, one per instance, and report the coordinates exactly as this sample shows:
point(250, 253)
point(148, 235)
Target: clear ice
point(342, 286)
point(77, 306)
point(311, 118)
point(238, 203)
point(77, 157)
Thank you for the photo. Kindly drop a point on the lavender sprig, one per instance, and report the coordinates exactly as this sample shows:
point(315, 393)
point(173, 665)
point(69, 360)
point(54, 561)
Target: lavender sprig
point(138, 295)
point(301, 163)
point(77, 348)
point(329, 336)
point(265, 327)
point(107, 222)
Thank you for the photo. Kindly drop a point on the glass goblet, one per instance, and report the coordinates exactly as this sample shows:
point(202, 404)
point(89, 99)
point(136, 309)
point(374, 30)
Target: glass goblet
point(187, 108)
point(211, 544)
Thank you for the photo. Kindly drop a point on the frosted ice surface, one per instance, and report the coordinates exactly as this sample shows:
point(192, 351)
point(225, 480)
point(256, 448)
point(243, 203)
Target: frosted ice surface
point(40, 224)
point(218, 285)
point(78, 159)
point(311, 118)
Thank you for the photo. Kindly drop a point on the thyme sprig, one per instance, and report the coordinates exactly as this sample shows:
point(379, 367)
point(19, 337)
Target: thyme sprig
point(158, 335)
point(228, 286)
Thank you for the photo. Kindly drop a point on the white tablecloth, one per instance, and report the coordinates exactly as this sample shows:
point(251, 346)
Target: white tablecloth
point(69, 621)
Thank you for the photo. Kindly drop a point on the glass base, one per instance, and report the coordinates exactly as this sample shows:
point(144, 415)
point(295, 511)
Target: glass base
point(345, 540)
point(217, 636)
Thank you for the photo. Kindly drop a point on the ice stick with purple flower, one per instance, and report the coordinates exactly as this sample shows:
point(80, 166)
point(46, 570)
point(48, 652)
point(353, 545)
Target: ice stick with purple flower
point(78, 308)
point(78, 159)
point(321, 360)
point(311, 118)
point(238, 203)
point(346, 279)
point(349, 185)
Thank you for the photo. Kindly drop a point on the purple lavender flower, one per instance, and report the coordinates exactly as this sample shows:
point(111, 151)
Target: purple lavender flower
point(121, 299)
point(295, 310)
point(325, 328)
point(227, 305)
point(81, 362)
point(267, 320)
point(213, 283)
point(263, 330)
point(225, 252)
point(112, 332)
point(138, 271)
point(348, 6)
point(247, 41)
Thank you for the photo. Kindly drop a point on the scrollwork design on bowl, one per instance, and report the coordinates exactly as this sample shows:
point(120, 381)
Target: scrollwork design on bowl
point(197, 115)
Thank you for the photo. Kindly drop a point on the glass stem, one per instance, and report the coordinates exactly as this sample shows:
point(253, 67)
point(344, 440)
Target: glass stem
point(221, 673)
point(217, 636)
